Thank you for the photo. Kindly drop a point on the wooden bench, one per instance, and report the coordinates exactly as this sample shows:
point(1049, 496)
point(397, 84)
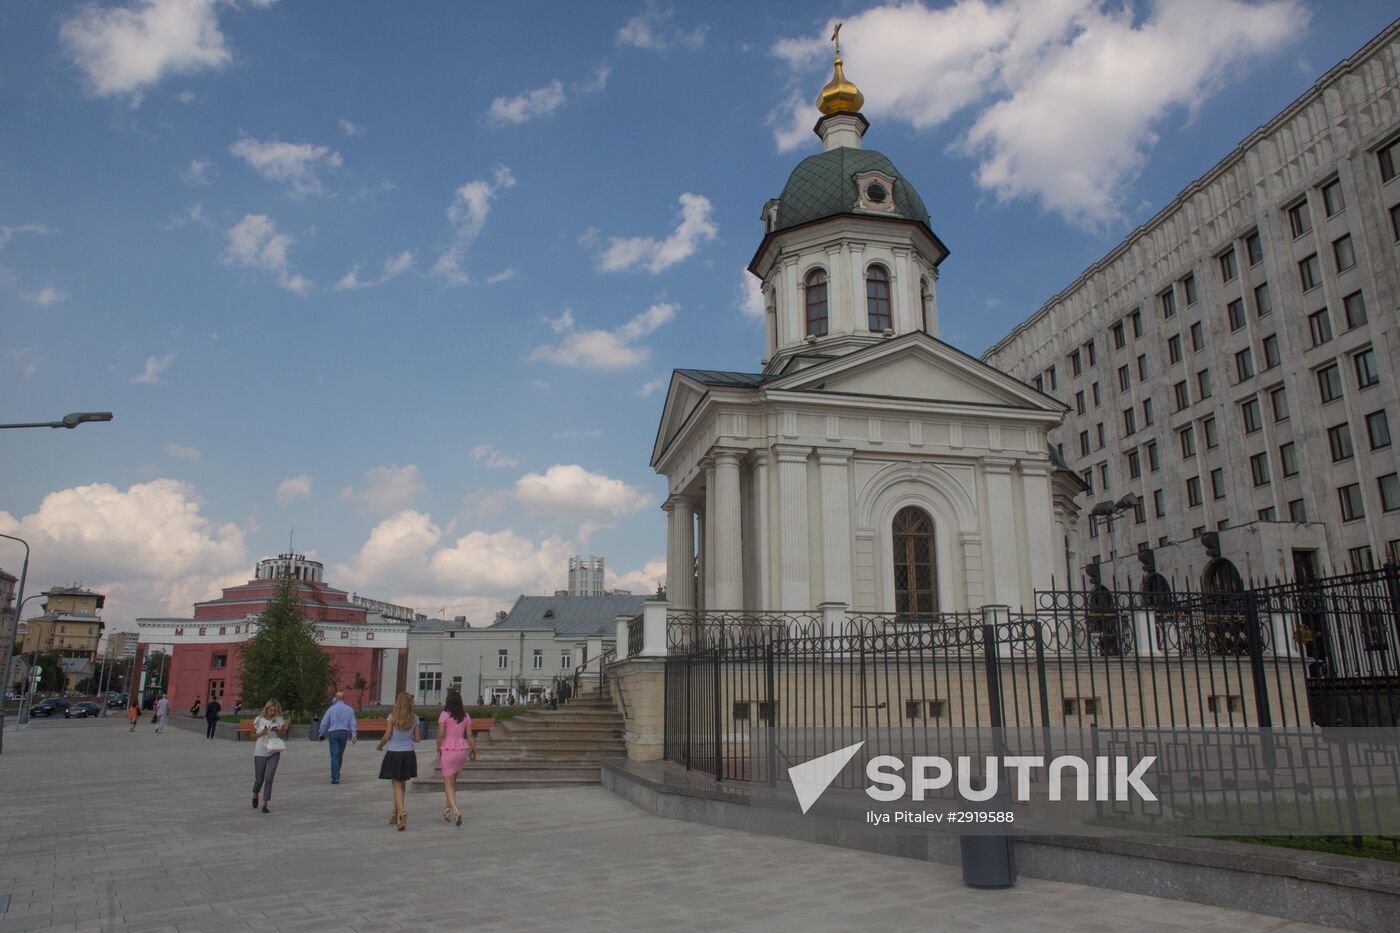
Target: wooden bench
point(245, 727)
point(481, 725)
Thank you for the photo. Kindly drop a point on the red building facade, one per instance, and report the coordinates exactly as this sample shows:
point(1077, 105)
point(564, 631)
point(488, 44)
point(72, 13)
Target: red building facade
point(364, 643)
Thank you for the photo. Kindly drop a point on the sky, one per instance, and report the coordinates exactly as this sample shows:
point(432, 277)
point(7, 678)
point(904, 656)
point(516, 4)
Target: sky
point(408, 280)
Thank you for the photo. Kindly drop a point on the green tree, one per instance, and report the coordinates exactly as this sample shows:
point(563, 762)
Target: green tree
point(51, 677)
point(283, 661)
point(360, 686)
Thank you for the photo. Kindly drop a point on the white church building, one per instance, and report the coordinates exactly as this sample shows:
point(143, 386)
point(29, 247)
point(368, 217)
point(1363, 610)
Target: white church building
point(868, 463)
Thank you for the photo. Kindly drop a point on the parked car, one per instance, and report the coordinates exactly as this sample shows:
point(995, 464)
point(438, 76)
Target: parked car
point(82, 710)
point(116, 701)
point(50, 706)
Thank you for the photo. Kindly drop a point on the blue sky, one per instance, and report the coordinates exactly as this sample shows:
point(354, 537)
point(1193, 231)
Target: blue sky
point(409, 277)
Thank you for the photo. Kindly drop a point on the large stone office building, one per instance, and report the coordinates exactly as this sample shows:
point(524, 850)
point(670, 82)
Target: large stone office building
point(1230, 366)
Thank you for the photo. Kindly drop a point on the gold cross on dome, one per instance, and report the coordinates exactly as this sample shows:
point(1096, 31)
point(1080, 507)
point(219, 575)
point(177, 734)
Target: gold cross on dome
point(836, 37)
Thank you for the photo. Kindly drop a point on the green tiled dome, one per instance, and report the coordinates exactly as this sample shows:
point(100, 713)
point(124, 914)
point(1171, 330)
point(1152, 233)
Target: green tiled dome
point(824, 185)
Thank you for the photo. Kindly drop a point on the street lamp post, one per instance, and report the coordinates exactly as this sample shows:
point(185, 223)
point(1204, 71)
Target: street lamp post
point(70, 421)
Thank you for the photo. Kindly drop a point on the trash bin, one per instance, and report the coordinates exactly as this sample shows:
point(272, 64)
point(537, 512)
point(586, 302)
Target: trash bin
point(988, 862)
point(314, 728)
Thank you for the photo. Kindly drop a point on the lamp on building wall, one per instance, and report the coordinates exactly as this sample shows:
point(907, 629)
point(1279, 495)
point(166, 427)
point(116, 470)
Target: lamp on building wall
point(1107, 511)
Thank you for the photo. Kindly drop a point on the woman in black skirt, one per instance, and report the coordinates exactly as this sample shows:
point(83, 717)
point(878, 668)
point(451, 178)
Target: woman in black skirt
point(400, 763)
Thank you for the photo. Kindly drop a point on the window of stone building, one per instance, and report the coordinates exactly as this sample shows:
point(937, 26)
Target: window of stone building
point(1217, 483)
point(1271, 351)
point(1244, 365)
point(1103, 475)
point(1098, 428)
point(817, 317)
point(1297, 510)
point(1332, 200)
point(1366, 373)
point(1267, 514)
point(1355, 307)
point(1259, 469)
point(1254, 247)
point(1079, 402)
point(1088, 477)
point(1344, 253)
point(502, 659)
point(1263, 301)
point(1299, 220)
point(1167, 300)
point(537, 659)
point(1235, 312)
point(877, 299)
point(1349, 497)
point(1390, 492)
point(1159, 503)
point(1320, 327)
point(1339, 442)
point(1310, 272)
point(1188, 288)
point(1147, 412)
point(1361, 559)
point(1225, 703)
point(220, 660)
point(1125, 379)
point(1154, 462)
point(1278, 401)
point(915, 582)
point(1329, 382)
point(1084, 443)
point(1181, 395)
point(1249, 415)
point(1142, 367)
point(926, 307)
point(1395, 221)
point(1076, 363)
point(1174, 348)
point(1378, 429)
point(1187, 436)
point(566, 660)
point(1193, 491)
point(1098, 399)
point(1203, 387)
point(1134, 465)
point(1288, 459)
point(1389, 158)
point(1120, 338)
point(1229, 266)
point(1135, 318)
point(1198, 337)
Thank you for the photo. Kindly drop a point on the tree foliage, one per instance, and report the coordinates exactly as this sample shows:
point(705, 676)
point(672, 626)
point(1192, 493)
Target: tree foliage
point(284, 661)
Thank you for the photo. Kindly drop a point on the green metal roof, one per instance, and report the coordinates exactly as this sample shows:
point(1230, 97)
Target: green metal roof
point(824, 185)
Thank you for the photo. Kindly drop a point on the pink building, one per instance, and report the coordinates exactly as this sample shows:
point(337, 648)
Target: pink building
point(364, 638)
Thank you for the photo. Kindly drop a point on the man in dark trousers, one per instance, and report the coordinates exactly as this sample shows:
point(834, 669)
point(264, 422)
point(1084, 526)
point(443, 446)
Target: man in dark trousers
point(566, 690)
point(211, 716)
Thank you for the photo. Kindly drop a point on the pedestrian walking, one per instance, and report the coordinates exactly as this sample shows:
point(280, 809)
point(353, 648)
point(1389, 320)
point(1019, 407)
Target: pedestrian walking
point(566, 690)
point(237, 705)
point(194, 709)
point(400, 764)
point(338, 727)
point(454, 743)
point(133, 713)
point(162, 710)
point(270, 729)
point(211, 716)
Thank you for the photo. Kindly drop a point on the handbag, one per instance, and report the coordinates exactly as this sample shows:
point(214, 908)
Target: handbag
point(275, 743)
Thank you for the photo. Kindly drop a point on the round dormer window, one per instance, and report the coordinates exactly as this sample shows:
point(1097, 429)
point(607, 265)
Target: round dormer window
point(875, 193)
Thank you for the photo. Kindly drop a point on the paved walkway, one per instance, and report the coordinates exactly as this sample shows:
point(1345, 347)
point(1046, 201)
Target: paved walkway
point(101, 829)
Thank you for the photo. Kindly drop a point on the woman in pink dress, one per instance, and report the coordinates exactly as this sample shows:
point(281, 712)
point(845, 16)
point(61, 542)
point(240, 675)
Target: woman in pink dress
point(454, 742)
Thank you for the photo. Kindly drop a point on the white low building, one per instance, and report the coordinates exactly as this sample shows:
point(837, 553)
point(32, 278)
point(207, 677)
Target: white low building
point(868, 462)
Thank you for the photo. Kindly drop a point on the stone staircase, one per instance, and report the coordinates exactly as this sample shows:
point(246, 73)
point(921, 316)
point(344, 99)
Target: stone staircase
point(542, 748)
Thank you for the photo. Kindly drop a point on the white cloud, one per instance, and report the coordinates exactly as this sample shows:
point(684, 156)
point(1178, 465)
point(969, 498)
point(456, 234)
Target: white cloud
point(563, 323)
point(1067, 98)
point(528, 105)
point(351, 128)
point(653, 386)
point(297, 165)
point(122, 50)
point(393, 266)
point(293, 488)
point(26, 359)
point(614, 349)
point(199, 172)
point(577, 434)
point(751, 295)
point(9, 233)
point(599, 80)
point(651, 29)
point(492, 457)
point(470, 206)
point(148, 547)
point(641, 582)
point(254, 243)
point(624, 253)
point(155, 366)
point(505, 275)
point(570, 489)
point(387, 488)
point(48, 295)
point(181, 452)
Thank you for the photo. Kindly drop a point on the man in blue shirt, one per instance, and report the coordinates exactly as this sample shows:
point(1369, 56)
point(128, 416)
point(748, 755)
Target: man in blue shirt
point(338, 724)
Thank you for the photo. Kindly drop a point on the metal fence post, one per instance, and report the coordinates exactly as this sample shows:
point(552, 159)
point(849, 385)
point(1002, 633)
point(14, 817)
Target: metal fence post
point(719, 735)
point(1392, 589)
point(771, 765)
point(1255, 643)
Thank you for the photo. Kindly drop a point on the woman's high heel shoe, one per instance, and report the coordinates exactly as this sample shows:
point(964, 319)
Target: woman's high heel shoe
point(447, 814)
point(394, 817)
point(457, 815)
point(403, 820)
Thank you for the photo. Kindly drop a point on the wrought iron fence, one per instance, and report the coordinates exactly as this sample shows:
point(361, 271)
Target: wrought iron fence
point(1086, 667)
point(634, 636)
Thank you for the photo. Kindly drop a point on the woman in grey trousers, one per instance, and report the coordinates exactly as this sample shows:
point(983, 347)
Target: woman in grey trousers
point(270, 729)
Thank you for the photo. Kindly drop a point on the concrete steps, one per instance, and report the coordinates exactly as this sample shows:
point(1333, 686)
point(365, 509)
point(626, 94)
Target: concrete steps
point(542, 748)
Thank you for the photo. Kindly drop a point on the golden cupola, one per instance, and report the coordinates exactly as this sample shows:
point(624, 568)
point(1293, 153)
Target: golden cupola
point(839, 95)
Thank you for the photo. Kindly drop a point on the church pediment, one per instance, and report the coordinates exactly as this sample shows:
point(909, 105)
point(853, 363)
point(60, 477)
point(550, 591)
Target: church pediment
point(916, 366)
point(688, 389)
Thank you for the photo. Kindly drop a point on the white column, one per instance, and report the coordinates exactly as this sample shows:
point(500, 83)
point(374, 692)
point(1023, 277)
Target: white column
point(794, 572)
point(707, 536)
point(728, 527)
point(858, 316)
point(1040, 524)
point(680, 552)
point(837, 309)
point(1001, 524)
point(836, 523)
point(904, 292)
point(974, 577)
point(761, 533)
point(791, 308)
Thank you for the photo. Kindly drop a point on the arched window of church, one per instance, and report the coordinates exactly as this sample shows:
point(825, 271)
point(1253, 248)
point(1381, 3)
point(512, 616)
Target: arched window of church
point(925, 301)
point(915, 586)
point(877, 298)
point(816, 303)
